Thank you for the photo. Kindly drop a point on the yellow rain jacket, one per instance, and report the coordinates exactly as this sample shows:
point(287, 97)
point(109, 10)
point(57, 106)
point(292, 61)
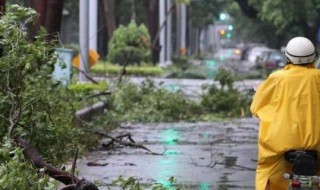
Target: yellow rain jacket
point(288, 106)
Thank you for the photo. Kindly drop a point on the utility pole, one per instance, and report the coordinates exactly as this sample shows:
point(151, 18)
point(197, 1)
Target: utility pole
point(162, 39)
point(93, 29)
point(169, 33)
point(84, 39)
point(183, 25)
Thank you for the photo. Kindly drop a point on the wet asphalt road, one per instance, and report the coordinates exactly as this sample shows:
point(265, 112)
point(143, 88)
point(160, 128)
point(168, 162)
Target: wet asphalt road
point(201, 156)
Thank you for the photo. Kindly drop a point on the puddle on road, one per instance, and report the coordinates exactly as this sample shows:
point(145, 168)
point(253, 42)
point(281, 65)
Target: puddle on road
point(170, 136)
point(168, 165)
point(204, 186)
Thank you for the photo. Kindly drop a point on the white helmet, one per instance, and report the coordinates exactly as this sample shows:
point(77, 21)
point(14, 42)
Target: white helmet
point(300, 50)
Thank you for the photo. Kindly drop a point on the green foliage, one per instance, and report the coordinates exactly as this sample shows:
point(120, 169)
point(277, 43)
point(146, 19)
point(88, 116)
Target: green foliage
point(204, 12)
point(227, 102)
point(130, 70)
point(157, 103)
point(253, 30)
point(88, 87)
point(283, 20)
point(225, 78)
point(16, 173)
point(186, 71)
point(187, 2)
point(181, 62)
point(150, 103)
point(31, 105)
point(284, 14)
point(130, 44)
point(132, 183)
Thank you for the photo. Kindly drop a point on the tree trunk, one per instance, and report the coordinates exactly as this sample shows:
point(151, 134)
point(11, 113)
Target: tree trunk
point(247, 9)
point(146, 4)
point(103, 37)
point(117, 6)
point(2, 6)
point(109, 6)
point(53, 18)
point(50, 16)
point(41, 7)
point(133, 10)
point(153, 25)
point(197, 43)
point(162, 26)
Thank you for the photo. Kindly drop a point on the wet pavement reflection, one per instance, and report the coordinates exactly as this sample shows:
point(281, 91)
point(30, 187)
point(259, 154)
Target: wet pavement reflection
point(200, 156)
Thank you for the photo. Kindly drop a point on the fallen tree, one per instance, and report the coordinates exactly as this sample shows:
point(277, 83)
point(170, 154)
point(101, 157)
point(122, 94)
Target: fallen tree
point(37, 111)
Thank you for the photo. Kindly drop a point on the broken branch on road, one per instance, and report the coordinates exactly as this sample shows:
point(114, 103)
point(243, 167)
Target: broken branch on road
point(119, 140)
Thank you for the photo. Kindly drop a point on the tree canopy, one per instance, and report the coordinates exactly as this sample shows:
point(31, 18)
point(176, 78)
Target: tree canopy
point(203, 12)
point(290, 18)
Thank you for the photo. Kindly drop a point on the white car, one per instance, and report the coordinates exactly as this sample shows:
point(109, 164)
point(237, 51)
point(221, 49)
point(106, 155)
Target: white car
point(256, 52)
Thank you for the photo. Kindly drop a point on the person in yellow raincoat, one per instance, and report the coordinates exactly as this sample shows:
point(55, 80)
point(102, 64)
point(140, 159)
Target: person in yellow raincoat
point(287, 104)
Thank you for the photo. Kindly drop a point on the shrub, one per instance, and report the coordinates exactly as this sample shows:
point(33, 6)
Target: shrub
point(192, 72)
point(130, 44)
point(150, 103)
point(181, 61)
point(225, 100)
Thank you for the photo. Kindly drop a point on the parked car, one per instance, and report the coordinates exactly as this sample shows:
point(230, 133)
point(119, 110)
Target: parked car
point(267, 58)
point(275, 59)
point(246, 48)
point(256, 53)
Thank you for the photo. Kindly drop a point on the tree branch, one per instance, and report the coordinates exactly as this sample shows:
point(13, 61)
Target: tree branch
point(87, 76)
point(161, 27)
point(68, 179)
point(247, 9)
point(131, 142)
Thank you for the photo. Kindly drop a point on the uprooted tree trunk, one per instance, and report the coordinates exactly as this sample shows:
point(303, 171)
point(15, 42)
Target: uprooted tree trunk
point(71, 181)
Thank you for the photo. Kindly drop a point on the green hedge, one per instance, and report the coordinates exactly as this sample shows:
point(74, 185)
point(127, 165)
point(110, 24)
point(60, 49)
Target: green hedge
point(102, 68)
point(88, 87)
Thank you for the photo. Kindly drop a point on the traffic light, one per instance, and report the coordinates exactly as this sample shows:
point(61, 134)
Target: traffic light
point(222, 32)
point(222, 16)
point(228, 34)
point(225, 33)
